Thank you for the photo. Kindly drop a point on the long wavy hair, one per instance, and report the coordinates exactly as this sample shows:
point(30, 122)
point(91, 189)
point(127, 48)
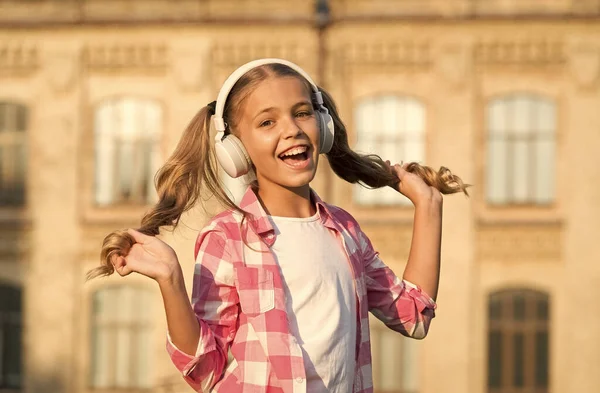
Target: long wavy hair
point(192, 169)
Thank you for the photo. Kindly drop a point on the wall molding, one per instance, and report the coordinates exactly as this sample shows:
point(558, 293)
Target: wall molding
point(19, 58)
point(122, 56)
point(514, 243)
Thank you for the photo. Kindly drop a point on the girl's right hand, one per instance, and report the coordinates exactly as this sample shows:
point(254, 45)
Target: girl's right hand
point(149, 256)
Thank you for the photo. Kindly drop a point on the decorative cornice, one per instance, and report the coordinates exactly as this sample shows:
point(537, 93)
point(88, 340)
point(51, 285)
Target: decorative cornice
point(408, 53)
point(18, 57)
point(520, 52)
point(117, 56)
point(514, 243)
point(235, 54)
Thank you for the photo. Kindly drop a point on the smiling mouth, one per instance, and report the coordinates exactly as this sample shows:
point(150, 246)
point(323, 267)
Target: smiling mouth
point(296, 157)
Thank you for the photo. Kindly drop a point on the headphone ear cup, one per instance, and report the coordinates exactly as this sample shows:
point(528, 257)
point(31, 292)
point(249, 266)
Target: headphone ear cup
point(232, 156)
point(326, 132)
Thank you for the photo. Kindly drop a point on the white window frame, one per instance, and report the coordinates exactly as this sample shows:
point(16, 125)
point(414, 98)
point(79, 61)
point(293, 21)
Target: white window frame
point(127, 133)
point(393, 127)
point(121, 338)
point(521, 150)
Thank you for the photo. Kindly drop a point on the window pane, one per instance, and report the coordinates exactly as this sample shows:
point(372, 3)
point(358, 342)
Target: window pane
point(520, 171)
point(12, 350)
point(123, 360)
point(414, 118)
point(495, 360)
point(10, 337)
point(519, 360)
point(497, 170)
point(541, 359)
point(391, 360)
point(143, 374)
point(21, 120)
point(519, 307)
point(100, 359)
point(545, 170)
point(391, 113)
point(13, 139)
point(520, 113)
point(495, 308)
point(410, 363)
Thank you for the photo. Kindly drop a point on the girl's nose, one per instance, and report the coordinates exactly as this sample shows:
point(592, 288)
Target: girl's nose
point(291, 129)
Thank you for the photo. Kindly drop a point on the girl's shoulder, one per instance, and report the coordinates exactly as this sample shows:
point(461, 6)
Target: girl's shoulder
point(342, 217)
point(223, 221)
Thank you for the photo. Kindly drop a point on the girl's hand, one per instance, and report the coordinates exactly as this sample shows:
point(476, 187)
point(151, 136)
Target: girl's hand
point(150, 257)
point(413, 187)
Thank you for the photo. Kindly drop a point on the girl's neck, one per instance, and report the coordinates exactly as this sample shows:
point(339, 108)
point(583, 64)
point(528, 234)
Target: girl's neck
point(287, 202)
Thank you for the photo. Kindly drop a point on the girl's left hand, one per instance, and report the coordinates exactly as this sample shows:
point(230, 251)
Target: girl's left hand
point(413, 187)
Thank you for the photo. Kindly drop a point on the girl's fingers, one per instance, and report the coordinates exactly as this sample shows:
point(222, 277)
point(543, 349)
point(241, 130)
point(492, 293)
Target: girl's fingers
point(400, 170)
point(120, 265)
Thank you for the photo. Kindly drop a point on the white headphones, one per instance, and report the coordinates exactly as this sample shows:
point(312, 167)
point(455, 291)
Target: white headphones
point(230, 151)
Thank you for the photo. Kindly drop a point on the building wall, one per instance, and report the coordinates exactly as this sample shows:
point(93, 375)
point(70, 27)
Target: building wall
point(60, 59)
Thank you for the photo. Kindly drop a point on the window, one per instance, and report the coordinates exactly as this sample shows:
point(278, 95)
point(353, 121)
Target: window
point(127, 153)
point(518, 341)
point(10, 337)
point(521, 150)
point(121, 338)
point(394, 128)
point(13, 159)
point(395, 360)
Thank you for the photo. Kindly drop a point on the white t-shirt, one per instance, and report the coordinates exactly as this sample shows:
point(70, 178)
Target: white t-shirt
point(320, 300)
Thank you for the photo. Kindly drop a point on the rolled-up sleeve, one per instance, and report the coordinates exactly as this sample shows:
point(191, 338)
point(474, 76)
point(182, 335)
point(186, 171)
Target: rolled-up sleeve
point(215, 303)
point(399, 304)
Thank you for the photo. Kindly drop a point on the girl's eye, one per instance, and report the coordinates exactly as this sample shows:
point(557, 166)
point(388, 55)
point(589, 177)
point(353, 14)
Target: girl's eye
point(266, 123)
point(303, 114)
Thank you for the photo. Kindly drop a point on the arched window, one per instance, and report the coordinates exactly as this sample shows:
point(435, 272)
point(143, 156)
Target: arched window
point(395, 360)
point(518, 341)
point(394, 128)
point(10, 337)
point(122, 338)
point(521, 131)
point(13, 153)
point(127, 132)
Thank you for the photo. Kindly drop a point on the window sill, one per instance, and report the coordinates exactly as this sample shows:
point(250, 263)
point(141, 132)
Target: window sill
point(519, 214)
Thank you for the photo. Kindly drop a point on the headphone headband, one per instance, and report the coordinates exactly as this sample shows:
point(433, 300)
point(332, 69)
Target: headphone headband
point(237, 74)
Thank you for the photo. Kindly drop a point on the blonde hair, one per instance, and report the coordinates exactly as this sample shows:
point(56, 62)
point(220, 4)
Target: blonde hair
point(193, 168)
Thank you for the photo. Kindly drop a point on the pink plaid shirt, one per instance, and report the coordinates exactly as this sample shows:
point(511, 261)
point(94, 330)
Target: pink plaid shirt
point(245, 341)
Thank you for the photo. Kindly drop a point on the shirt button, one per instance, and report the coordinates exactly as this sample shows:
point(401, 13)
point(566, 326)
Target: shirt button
point(299, 379)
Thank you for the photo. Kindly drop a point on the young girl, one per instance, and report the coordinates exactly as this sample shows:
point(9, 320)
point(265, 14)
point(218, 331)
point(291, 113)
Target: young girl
point(284, 282)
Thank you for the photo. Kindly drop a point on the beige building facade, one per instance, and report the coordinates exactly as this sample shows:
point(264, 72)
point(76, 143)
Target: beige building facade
point(95, 94)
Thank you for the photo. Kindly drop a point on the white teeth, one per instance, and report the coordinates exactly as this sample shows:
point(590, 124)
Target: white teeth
point(294, 151)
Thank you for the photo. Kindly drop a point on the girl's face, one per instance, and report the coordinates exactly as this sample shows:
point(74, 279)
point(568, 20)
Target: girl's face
point(278, 128)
